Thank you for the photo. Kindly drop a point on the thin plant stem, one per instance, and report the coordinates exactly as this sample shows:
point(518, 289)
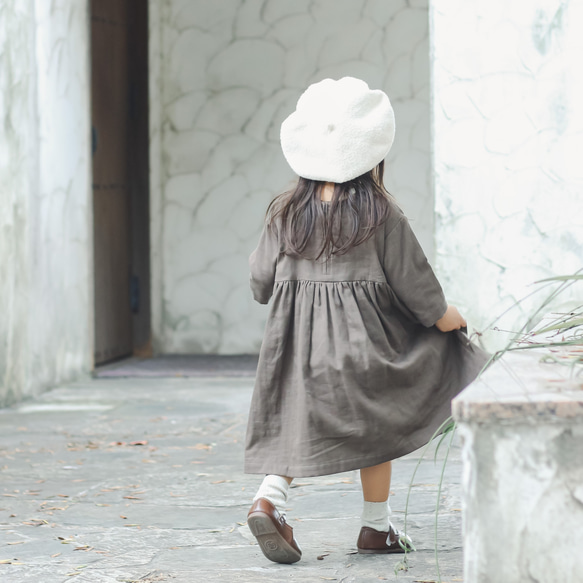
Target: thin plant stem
point(452, 431)
point(437, 432)
point(516, 303)
point(402, 565)
point(566, 283)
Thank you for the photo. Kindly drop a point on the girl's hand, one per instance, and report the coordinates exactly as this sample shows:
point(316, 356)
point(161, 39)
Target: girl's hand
point(451, 320)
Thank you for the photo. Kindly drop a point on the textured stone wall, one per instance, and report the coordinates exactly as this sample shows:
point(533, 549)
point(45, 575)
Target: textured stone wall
point(508, 132)
point(224, 75)
point(45, 245)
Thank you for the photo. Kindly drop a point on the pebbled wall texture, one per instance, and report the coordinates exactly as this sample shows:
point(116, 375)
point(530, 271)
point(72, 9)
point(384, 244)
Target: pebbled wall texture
point(224, 75)
point(507, 136)
point(45, 235)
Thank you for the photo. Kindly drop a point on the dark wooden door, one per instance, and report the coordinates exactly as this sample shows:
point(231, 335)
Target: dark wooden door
point(111, 180)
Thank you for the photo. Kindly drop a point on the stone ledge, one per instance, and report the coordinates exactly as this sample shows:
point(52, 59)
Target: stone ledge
point(521, 388)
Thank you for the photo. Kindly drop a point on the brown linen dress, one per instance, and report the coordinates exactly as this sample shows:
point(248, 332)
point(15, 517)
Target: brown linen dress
point(352, 371)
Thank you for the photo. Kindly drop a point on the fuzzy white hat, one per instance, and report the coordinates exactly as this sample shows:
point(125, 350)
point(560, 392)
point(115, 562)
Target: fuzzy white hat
point(339, 130)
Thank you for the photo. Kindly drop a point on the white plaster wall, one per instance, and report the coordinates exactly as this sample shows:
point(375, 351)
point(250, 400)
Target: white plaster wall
point(45, 230)
point(508, 132)
point(224, 75)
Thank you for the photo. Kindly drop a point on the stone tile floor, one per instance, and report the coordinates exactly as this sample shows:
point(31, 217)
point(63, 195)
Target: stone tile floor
point(140, 480)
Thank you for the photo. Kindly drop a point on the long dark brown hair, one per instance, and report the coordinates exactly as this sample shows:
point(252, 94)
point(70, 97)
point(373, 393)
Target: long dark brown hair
point(364, 200)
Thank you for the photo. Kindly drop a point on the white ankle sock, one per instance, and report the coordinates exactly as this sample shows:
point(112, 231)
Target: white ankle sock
point(274, 488)
point(376, 515)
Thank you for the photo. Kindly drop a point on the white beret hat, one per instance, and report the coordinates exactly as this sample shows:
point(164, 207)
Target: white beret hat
point(339, 130)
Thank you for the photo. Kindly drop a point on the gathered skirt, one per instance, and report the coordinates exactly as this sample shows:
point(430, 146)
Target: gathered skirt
point(347, 379)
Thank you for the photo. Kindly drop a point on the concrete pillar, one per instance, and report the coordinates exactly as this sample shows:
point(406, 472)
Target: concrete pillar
point(46, 297)
point(522, 430)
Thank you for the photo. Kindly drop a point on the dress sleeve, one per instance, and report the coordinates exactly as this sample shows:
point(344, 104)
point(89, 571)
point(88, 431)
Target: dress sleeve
point(411, 277)
point(262, 264)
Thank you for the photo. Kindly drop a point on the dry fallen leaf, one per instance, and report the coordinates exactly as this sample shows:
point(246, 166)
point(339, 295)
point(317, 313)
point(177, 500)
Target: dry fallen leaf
point(35, 522)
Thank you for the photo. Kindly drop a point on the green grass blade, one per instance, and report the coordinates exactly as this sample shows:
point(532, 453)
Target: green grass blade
point(567, 325)
point(574, 277)
point(450, 427)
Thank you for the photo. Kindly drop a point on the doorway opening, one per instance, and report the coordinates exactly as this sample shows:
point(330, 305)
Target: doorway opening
point(120, 147)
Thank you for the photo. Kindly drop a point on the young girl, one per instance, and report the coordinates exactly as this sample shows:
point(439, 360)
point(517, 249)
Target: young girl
point(361, 354)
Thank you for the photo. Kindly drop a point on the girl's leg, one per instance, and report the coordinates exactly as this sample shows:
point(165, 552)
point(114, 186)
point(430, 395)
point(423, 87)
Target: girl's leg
point(274, 488)
point(266, 520)
point(376, 482)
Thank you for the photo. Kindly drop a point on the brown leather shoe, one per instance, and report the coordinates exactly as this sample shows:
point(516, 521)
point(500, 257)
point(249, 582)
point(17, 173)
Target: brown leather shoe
point(274, 535)
point(371, 541)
